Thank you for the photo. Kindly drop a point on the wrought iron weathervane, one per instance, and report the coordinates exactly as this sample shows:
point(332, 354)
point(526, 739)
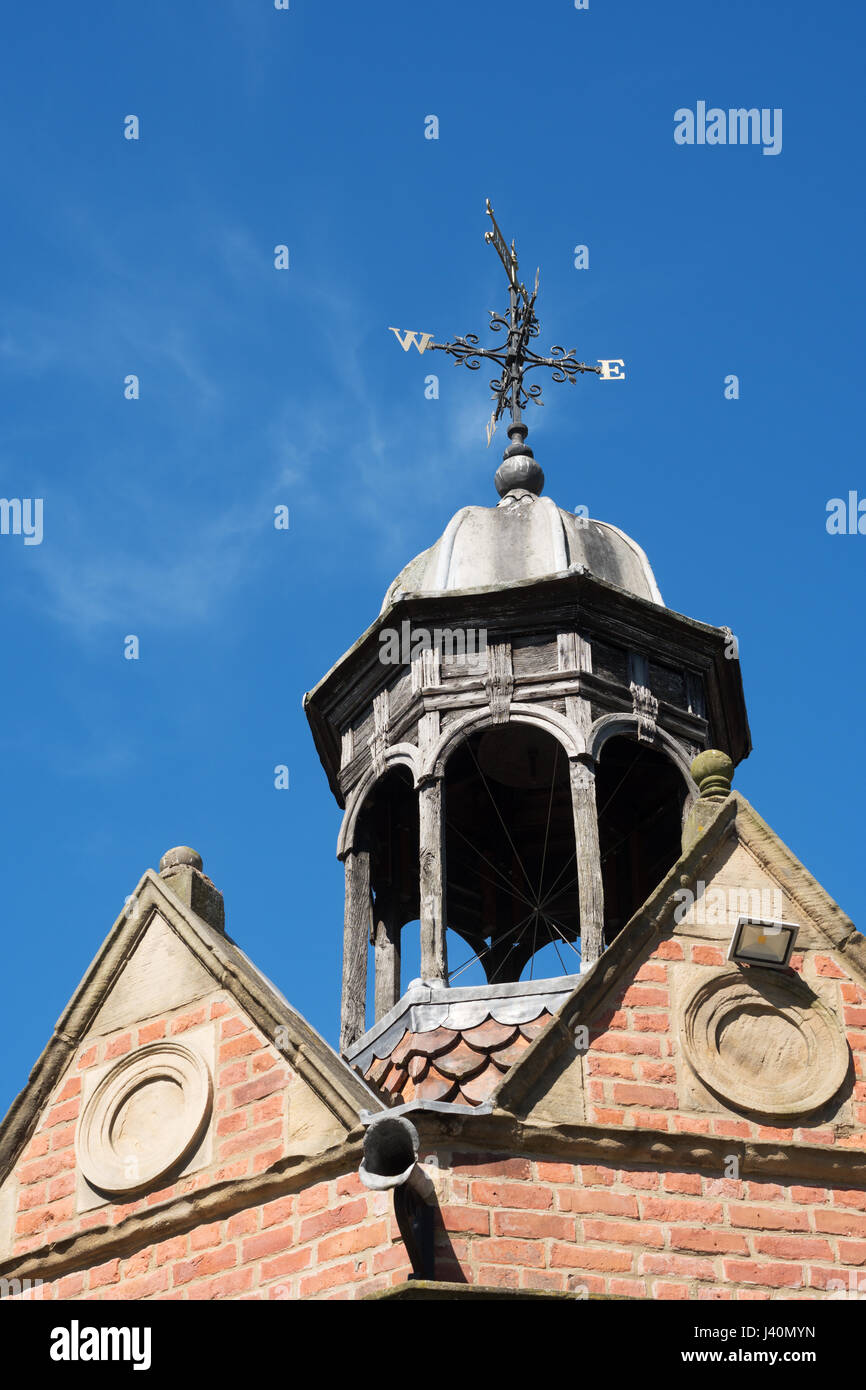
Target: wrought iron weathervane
point(515, 356)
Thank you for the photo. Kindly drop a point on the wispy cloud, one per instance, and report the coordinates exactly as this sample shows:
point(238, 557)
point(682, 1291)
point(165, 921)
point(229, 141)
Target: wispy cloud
point(122, 545)
point(182, 580)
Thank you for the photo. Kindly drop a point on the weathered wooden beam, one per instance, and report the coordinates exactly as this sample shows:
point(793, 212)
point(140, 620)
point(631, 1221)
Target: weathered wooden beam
point(434, 959)
point(386, 961)
point(589, 881)
point(356, 934)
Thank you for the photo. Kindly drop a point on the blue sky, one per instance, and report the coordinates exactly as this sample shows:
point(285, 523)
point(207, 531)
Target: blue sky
point(262, 387)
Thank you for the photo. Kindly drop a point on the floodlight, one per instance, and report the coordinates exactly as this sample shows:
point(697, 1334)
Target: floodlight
point(760, 942)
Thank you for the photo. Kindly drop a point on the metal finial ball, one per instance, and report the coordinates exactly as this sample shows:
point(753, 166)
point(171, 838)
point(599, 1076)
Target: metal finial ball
point(520, 471)
point(518, 467)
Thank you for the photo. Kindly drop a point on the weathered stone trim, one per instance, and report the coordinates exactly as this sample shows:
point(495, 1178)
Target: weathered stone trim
point(733, 816)
point(504, 1133)
point(417, 1290)
point(489, 1134)
point(180, 1215)
point(779, 861)
point(344, 1093)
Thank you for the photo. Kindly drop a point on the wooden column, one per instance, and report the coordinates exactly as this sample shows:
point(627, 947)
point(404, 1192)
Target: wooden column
point(589, 881)
point(356, 936)
point(387, 958)
point(434, 959)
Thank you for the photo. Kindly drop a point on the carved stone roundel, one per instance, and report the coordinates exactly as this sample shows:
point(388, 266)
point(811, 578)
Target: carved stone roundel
point(764, 1042)
point(144, 1118)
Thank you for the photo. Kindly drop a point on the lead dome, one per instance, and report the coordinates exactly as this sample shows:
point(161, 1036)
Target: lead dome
point(524, 537)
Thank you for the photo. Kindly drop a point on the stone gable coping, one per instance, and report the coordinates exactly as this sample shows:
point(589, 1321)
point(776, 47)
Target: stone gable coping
point(336, 1085)
point(734, 816)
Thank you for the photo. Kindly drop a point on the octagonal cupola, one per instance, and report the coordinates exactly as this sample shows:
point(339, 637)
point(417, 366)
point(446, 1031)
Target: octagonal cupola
point(510, 741)
point(511, 745)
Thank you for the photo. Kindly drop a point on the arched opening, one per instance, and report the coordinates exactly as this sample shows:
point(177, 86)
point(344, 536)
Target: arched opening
point(510, 866)
point(388, 829)
point(639, 795)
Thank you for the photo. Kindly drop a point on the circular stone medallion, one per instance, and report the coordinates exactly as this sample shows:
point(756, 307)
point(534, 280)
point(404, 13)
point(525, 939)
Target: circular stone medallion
point(144, 1118)
point(764, 1042)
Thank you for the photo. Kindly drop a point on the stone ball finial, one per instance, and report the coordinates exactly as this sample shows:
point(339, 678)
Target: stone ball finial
point(182, 871)
point(713, 771)
point(518, 467)
point(181, 855)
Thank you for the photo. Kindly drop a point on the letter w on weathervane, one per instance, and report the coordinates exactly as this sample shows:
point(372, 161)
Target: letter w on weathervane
point(411, 339)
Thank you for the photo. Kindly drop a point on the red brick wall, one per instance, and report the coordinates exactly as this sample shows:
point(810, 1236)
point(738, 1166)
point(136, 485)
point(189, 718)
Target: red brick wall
point(330, 1239)
point(518, 1223)
point(641, 1233)
point(250, 1099)
point(533, 1222)
point(634, 1066)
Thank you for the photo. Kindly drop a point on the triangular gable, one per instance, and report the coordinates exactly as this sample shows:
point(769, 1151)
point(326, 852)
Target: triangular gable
point(160, 953)
point(733, 851)
point(161, 974)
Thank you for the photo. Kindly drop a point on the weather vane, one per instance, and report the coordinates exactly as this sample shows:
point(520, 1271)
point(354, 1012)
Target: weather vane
point(514, 357)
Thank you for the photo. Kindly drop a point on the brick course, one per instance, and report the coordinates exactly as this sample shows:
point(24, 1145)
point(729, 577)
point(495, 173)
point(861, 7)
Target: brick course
point(522, 1221)
point(558, 1226)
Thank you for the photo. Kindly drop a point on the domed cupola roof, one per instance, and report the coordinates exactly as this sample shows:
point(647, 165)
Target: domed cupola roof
point(525, 537)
